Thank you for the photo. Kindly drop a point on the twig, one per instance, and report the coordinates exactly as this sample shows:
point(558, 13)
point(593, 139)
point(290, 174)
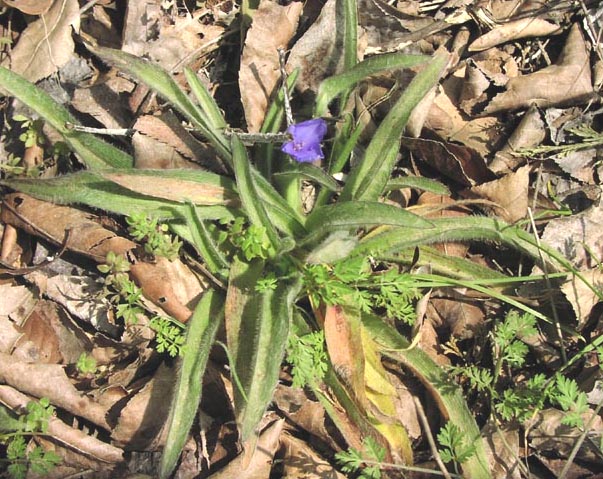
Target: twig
point(286, 100)
point(430, 440)
point(101, 131)
point(549, 289)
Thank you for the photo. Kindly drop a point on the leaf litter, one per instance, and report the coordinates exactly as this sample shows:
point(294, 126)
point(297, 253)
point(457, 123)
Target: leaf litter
point(520, 78)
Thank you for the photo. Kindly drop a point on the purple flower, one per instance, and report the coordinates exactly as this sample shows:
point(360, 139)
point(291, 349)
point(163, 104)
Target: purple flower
point(307, 135)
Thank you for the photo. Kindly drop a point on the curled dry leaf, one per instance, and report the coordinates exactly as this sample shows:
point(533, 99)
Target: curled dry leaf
point(257, 461)
point(272, 28)
point(530, 132)
point(137, 428)
point(168, 284)
point(460, 163)
point(319, 52)
point(581, 297)
point(548, 435)
point(509, 192)
point(50, 380)
point(46, 44)
point(16, 305)
point(514, 30)
point(502, 449)
point(182, 150)
point(566, 82)
point(51, 222)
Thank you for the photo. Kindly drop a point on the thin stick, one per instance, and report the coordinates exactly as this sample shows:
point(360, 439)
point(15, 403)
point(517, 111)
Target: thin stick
point(580, 440)
point(286, 100)
point(101, 131)
point(547, 281)
point(430, 440)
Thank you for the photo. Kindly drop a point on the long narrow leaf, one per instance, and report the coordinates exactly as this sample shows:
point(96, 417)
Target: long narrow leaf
point(367, 181)
point(214, 117)
point(92, 151)
point(93, 190)
point(335, 85)
point(357, 214)
point(247, 190)
point(160, 80)
point(200, 336)
point(205, 245)
point(447, 395)
point(310, 172)
point(257, 325)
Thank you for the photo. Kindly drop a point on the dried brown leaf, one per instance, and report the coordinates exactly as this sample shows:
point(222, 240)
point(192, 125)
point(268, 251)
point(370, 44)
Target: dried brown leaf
point(51, 221)
point(319, 52)
point(503, 450)
point(548, 435)
point(581, 297)
point(578, 237)
point(509, 192)
point(460, 163)
point(530, 132)
point(256, 461)
point(46, 44)
point(16, 305)
point(73, 438)
point(168, 130)
point(141, 420)
point(566, 82)
point(50, 380)
point(169, 284)
point(301, 462)
point(514, 30)
point(259, 75)
point(30, 7)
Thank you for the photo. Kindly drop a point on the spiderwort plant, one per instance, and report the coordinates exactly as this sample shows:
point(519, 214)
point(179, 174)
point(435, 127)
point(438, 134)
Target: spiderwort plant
point(285, 242)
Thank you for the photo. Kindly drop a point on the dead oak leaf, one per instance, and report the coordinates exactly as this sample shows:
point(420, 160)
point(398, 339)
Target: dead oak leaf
point(46, 44)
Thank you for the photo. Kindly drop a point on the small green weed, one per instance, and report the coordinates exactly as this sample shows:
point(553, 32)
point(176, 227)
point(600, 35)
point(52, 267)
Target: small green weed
point(86, 364)
point(19, 459)
point(352, 460)
point(126, 297)
point(455, 447)
point(154, 236)
point(308, 358)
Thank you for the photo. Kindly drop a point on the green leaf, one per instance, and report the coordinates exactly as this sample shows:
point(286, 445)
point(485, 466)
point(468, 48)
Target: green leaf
point(93, 190)
point(92, 151)
point(280, 213)
point(250, 199)
point(469, 228)
point(213, 115)
point(367, 180)
point(205, 244)
point(257, 326)
point(335, 85)
point(200, 336)
point(419, 183)
point(310, 172)
point(358, 214)
point(160, 81)
point(447, 395)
